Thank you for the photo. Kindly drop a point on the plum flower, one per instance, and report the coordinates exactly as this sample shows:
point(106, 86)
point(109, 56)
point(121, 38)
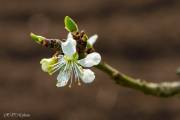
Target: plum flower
point(70, 66)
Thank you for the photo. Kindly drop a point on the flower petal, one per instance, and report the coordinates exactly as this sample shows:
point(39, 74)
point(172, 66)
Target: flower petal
point(88, 76)
point(62, 78)
point(92, 39)
point(69, 47)
point(69, 35)
point(90, 60)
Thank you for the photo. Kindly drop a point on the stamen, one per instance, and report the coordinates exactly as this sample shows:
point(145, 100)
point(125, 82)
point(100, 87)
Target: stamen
point(67, 70)
point(56, 67)
point(54, 70)
point(71, 73)
point(79, 73)
point(79, 83)
point(58, 63)
point(75, 72)
point(55, 64)
point(60, 56)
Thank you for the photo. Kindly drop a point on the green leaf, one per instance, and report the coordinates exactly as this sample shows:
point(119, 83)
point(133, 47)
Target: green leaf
point(37, 38)
point(70, 25)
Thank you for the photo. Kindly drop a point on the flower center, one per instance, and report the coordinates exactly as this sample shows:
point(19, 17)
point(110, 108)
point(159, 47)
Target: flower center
point(68, 58)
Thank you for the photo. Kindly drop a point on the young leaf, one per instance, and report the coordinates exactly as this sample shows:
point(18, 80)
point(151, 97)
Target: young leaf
point(37, 38)
point(70, 25)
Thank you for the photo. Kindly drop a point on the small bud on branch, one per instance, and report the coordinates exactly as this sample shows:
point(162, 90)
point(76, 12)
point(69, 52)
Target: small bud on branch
point(50, 43)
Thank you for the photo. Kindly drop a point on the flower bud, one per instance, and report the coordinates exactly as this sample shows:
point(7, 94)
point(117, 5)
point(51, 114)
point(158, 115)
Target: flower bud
point(36, 38)
point(47, 64)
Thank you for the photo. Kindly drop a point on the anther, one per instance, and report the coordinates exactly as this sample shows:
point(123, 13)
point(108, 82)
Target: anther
point(79, 83)
point(70, 86)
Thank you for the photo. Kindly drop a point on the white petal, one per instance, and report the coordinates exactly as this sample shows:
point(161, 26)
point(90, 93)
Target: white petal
point(92, 39)
point(69, 47)
point(90, 60)
point(69, 35)
point(62, 79)
point(88, 76)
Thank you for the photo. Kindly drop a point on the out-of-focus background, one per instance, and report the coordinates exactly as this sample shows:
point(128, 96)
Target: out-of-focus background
point(140, 37)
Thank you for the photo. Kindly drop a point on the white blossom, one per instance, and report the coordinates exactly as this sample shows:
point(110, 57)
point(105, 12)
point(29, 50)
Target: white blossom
point(69, 66)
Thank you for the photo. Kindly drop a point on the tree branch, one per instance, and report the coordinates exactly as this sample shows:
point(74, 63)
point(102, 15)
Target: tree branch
point(163, 89)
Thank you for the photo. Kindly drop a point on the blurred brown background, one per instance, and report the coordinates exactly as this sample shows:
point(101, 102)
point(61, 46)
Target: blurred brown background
point(139, 37)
